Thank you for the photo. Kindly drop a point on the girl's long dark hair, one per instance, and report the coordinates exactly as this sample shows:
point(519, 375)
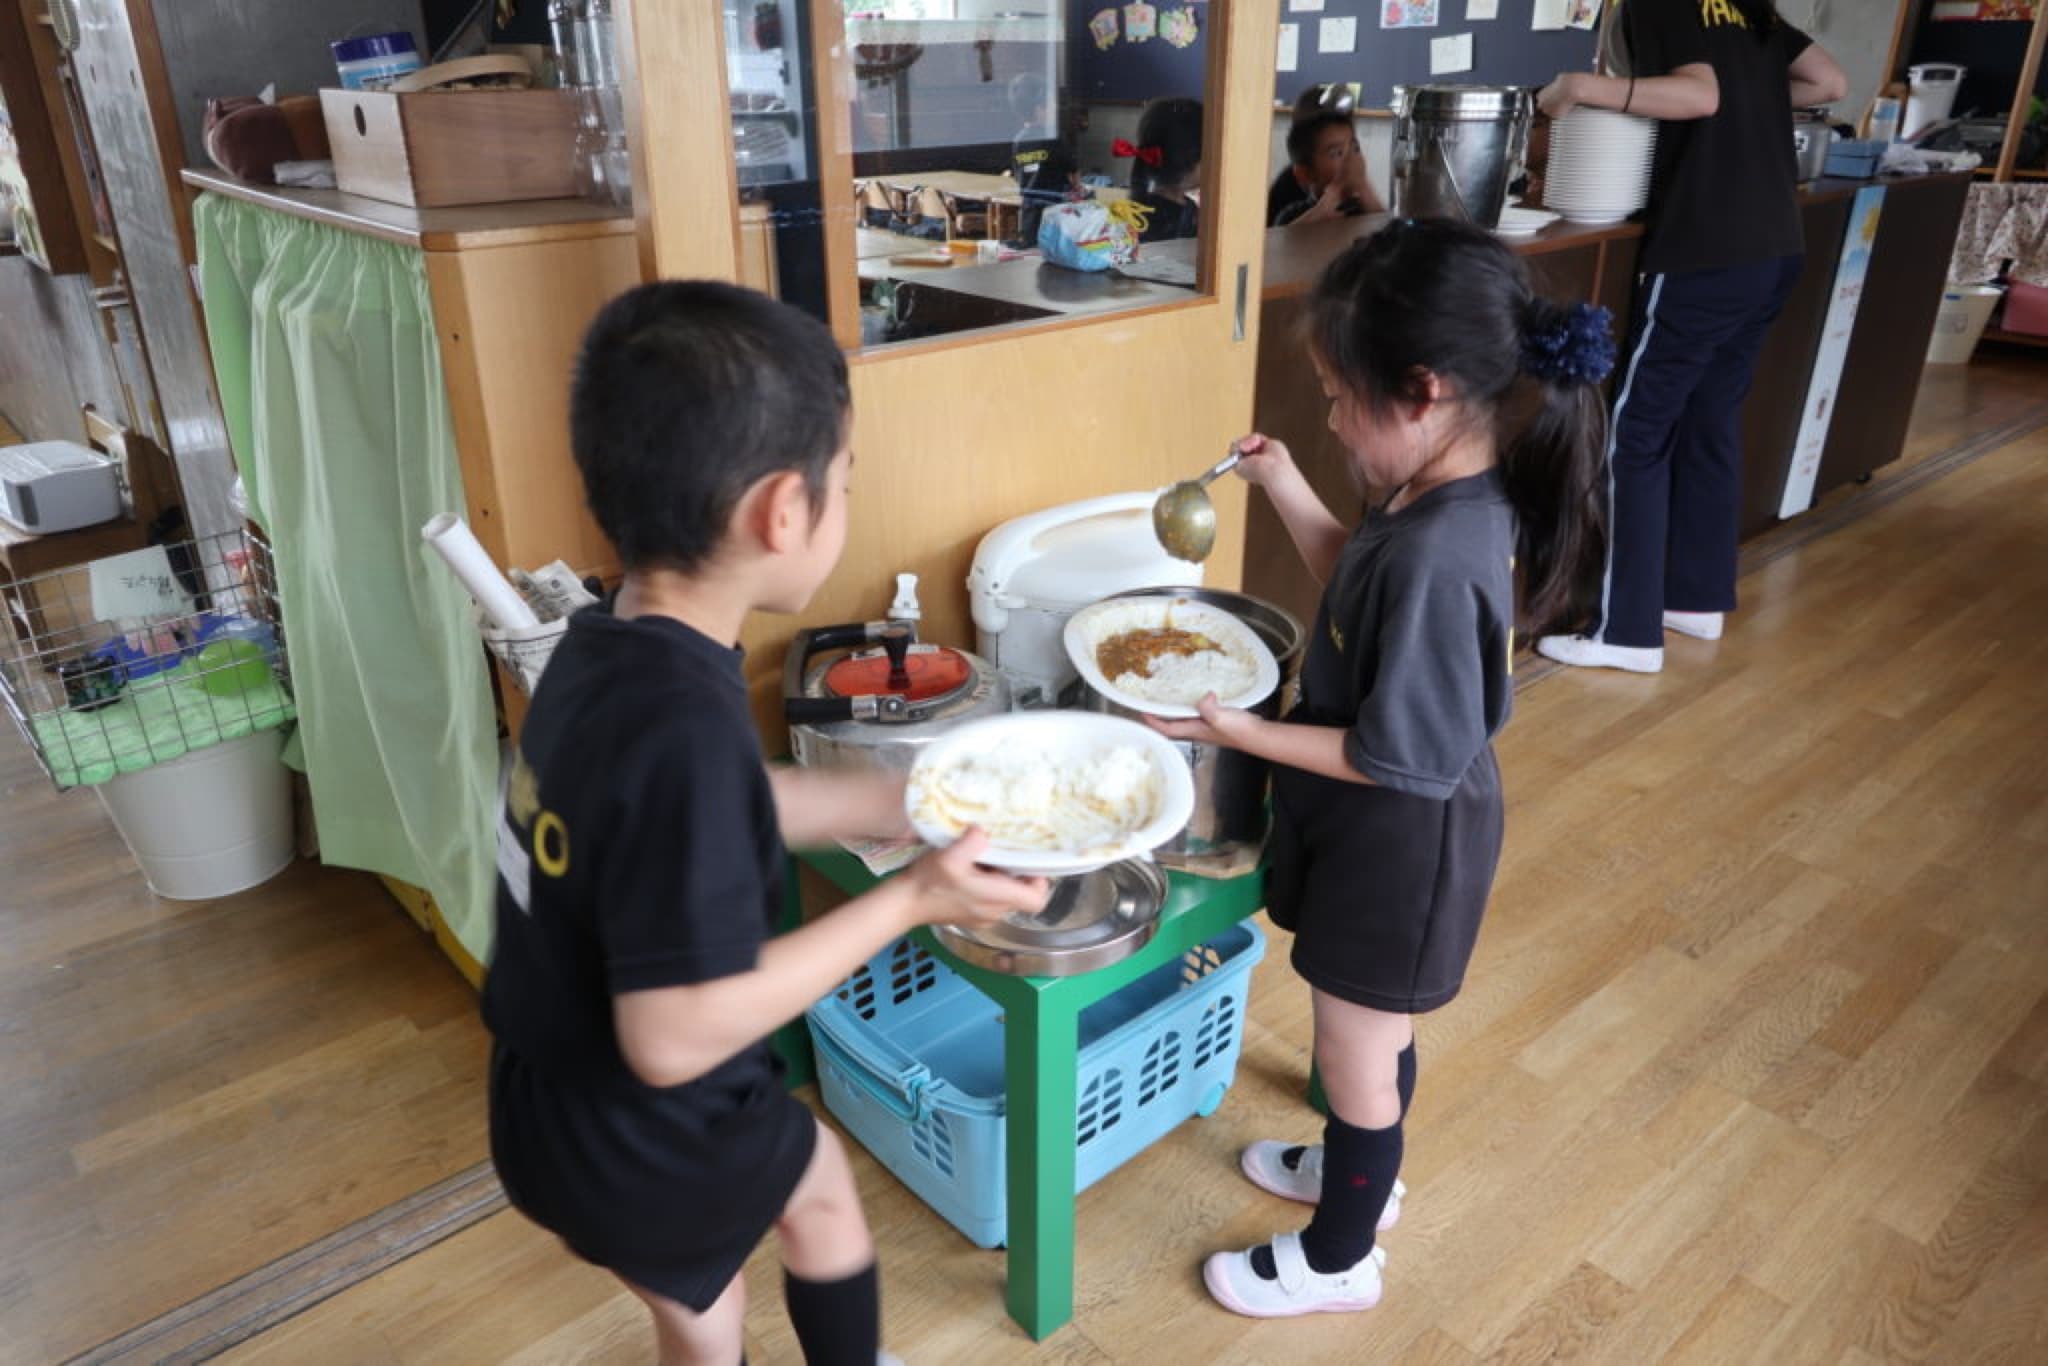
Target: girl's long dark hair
point(1436, 297)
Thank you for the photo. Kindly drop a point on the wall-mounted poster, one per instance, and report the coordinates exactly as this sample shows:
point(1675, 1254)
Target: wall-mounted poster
point(1408, 13)
point(1105, 29)
point(1141, 22)
point(1179, 28)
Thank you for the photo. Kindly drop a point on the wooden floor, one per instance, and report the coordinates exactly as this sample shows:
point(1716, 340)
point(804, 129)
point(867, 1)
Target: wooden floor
point(1752, 1065)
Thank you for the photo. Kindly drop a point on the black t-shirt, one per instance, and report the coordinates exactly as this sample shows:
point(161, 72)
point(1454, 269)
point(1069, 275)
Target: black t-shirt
point(1286, 193)
point(1722, 189)
point(638, 848)
point(1412, 642)
point(1169, 218)
point(1045, 169)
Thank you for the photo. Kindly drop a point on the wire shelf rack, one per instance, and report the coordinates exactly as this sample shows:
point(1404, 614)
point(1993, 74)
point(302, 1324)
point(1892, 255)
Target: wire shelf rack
point(116, 666)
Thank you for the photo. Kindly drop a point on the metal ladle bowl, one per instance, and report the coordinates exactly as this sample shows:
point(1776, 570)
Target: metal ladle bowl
point(1184, 519)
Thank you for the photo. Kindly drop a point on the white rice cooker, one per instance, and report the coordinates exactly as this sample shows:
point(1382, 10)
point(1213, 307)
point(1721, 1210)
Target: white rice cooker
point(1031, 573)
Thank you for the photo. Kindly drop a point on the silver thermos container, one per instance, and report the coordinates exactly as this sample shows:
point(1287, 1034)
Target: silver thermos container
point(1455, 149)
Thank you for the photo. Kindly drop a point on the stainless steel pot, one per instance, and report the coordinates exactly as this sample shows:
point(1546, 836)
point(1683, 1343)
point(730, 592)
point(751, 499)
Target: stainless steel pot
point(1456, 148)
point(881, 697)
point(1227, 833)
point(1091, 921)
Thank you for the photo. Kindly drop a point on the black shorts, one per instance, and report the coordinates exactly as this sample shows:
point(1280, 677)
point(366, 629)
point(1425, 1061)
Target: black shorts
point(671, 1199)
point(1384, 891)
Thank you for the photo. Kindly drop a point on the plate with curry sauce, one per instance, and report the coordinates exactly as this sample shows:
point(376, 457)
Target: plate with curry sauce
point(1162, 655)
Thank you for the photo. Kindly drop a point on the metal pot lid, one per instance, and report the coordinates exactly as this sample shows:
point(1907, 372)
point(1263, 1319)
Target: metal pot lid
point(1092, 920)
point(931, 673)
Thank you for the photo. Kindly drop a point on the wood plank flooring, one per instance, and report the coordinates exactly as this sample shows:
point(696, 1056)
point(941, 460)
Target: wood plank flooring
point(1752, 1065)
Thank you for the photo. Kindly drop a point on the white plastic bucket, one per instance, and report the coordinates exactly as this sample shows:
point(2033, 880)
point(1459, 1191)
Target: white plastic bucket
point(214, 822)
point(1932, 95)
point(1965, 309)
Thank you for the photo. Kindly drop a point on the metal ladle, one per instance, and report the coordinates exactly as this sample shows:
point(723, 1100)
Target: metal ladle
point(1184, 519)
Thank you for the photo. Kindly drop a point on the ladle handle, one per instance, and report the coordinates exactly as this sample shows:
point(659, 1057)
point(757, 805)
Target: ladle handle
point(1221, 468)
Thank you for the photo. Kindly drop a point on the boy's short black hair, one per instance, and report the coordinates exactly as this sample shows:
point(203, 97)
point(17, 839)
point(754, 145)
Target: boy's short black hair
point(687, 392)
point(1304, 131)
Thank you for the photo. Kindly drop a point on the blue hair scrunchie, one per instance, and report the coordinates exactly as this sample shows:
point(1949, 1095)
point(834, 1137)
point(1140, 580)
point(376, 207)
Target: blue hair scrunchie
point(1572, 346)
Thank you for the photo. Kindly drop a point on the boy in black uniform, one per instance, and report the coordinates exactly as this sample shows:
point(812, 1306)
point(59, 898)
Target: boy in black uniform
point(1039, 158)
point(636, 1109)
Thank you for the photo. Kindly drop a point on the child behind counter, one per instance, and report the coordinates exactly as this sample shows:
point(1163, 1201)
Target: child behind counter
point(1387, 800)
point(636, 1109)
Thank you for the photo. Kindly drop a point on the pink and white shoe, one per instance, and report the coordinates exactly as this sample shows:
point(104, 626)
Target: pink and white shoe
point(1264, 1166)
point(1297, 1289)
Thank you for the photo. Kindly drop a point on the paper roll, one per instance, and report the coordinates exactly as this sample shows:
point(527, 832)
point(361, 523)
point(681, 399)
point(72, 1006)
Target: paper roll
point(451, 536)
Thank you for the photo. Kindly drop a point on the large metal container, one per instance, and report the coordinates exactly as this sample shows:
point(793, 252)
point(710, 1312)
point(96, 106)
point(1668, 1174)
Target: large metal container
point(1456, 147)
point(1227, 833)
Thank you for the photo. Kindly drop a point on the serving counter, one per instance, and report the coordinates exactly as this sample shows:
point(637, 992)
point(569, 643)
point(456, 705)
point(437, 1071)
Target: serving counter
point(1899, 298)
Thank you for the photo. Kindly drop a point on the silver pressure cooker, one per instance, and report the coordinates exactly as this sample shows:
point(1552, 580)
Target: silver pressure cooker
point(870, 695)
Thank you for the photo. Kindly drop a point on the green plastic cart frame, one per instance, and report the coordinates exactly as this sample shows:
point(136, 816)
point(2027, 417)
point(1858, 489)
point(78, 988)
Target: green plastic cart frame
point(1041, 1044)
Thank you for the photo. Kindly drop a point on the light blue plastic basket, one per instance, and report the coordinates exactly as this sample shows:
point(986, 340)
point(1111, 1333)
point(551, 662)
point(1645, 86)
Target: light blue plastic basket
point(910, 1059)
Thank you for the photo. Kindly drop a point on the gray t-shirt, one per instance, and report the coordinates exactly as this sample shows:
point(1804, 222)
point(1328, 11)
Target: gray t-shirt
point(1412, 644)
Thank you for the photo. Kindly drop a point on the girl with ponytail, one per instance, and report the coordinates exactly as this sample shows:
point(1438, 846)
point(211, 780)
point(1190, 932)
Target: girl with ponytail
point(1472, 409)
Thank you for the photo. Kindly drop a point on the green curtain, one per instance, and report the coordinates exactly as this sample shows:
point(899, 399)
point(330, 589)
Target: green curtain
point(330, 380)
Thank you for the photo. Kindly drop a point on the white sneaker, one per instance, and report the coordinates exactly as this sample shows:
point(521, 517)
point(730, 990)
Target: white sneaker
point(1588, 653)
point(1698, 625)
point(1264, 1168)
point(1298, 1290)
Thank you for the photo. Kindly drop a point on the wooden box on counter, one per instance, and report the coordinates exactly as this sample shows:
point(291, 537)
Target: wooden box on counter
point(438, 148)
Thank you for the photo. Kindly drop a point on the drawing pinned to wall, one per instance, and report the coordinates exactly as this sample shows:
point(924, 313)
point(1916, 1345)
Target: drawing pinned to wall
point(1104, 27)
point(1179, 28)
point(1141, 22)
point(1289, 56)
point(1582, 14)
point(1449, 56)
point(1304, 6)
point(1408, 13)
point(1476, 10)
point(1549, 15)
point(1337, 35)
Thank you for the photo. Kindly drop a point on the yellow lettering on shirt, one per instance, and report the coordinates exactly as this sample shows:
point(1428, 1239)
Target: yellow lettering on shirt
point(1336, 637)
point(522, 791)
point(1721, 14)
point(551, 844)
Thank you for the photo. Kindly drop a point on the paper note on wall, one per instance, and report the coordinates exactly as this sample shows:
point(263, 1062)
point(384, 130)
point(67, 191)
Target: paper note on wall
point(1449, 55)
point(1408, 13)
point(138, 584)
point(1289, 58)
point(1304, 6)
point(1476, 10)
point(1337, 35)
point(1549, 15)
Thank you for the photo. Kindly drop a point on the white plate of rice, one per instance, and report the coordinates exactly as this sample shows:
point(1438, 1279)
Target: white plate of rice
point(1059, 792)
point(1188, 648)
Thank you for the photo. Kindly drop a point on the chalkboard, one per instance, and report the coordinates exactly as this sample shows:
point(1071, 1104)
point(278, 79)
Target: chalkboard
point(1505, 51)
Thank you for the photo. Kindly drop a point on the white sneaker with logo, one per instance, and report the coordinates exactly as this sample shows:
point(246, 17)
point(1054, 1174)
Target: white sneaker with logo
point(1698, 625)
point(1265, 1168)
point(1588, 653)
point(1297, 1290)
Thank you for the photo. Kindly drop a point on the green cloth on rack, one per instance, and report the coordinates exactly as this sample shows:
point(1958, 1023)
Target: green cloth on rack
point(329, 371)
point(153, 721)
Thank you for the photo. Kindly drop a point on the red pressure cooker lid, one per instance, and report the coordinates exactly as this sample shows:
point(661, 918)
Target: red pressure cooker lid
point(933, 673)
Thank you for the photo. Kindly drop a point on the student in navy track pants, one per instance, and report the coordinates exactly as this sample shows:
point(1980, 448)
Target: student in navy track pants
point(1721, 253)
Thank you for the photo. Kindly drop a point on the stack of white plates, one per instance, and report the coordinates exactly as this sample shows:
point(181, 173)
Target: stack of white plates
point(1599, 165)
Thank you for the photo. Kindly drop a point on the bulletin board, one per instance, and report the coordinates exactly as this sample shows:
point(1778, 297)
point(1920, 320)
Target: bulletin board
point(1104, 62)
point(1505, 51)
point(1151, 66)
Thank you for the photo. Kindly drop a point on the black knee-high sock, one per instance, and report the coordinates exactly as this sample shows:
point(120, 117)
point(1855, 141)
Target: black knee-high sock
point(1404, 1083)
point(838, 1323)
point(1359, 1166)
